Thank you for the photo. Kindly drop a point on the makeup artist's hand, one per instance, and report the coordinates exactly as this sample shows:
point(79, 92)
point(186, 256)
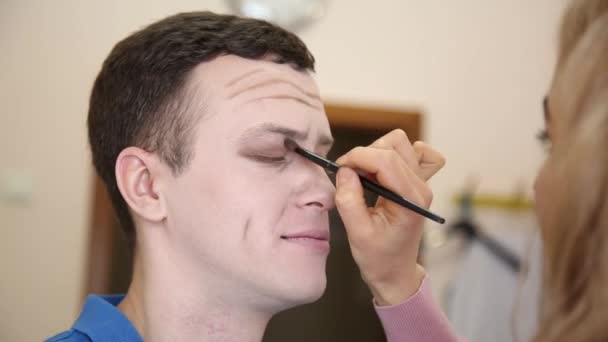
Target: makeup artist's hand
point(385, 238)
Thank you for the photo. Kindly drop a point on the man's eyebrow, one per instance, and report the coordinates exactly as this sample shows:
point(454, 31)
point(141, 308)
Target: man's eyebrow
point(269, 127)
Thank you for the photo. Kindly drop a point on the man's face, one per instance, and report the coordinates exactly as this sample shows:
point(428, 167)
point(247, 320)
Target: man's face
point(250, 217)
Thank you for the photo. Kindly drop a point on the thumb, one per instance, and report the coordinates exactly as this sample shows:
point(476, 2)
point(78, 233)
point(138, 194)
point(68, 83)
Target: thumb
point(351, 203)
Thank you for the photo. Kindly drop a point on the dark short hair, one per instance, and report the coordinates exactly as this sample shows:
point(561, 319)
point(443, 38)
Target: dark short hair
point(138, 97)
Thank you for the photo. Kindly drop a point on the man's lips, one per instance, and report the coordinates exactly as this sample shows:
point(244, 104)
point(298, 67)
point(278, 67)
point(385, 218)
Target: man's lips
point(312, 234)
point(312, 240)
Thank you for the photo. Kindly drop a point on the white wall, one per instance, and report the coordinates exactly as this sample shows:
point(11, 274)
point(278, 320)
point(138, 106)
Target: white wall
point(477, 68)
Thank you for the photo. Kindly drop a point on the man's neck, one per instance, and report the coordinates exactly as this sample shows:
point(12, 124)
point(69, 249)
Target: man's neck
point(163, 304)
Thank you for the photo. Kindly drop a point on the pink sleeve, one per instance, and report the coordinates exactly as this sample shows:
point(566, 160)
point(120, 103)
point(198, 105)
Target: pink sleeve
point(418, 319)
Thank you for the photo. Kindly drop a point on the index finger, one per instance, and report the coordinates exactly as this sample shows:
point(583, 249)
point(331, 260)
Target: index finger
point(398, 141)
point(429, 160)
point(390, 170)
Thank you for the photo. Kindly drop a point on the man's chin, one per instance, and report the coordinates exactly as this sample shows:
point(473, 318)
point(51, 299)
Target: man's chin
point(313, 295)
point(303, 293)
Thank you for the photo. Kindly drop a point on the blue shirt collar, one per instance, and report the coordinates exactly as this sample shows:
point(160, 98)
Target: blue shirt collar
point(101, 320)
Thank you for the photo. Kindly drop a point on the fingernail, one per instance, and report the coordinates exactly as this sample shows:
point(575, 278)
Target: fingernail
point(340, 160)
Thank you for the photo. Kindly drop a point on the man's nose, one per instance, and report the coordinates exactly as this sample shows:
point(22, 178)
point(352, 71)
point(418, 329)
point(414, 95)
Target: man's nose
point(320, 191)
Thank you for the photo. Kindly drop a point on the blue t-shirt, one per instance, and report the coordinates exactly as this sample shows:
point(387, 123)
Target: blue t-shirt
point(100, 321)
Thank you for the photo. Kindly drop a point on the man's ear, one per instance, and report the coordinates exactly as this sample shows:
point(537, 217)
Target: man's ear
point(137, 177)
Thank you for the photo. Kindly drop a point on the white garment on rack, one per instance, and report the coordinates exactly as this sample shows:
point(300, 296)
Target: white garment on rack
point(487, 300)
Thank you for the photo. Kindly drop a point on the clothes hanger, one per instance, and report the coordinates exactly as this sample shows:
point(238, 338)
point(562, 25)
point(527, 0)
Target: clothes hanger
point(466, 224)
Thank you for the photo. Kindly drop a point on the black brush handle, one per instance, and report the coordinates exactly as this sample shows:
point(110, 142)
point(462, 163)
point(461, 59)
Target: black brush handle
point(386, 193)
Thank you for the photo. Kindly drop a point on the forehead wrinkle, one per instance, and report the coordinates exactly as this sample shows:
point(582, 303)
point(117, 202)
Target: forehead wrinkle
point(271, 81)
point(243, 77)
point(287, 97)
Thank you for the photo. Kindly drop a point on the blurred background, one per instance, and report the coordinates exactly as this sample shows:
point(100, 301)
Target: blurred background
point(473, 71)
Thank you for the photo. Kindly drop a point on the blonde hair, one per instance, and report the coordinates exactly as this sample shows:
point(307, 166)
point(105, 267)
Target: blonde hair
point(575, 226)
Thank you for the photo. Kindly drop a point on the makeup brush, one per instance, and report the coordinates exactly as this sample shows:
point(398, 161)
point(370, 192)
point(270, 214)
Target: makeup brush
point(367, 184)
